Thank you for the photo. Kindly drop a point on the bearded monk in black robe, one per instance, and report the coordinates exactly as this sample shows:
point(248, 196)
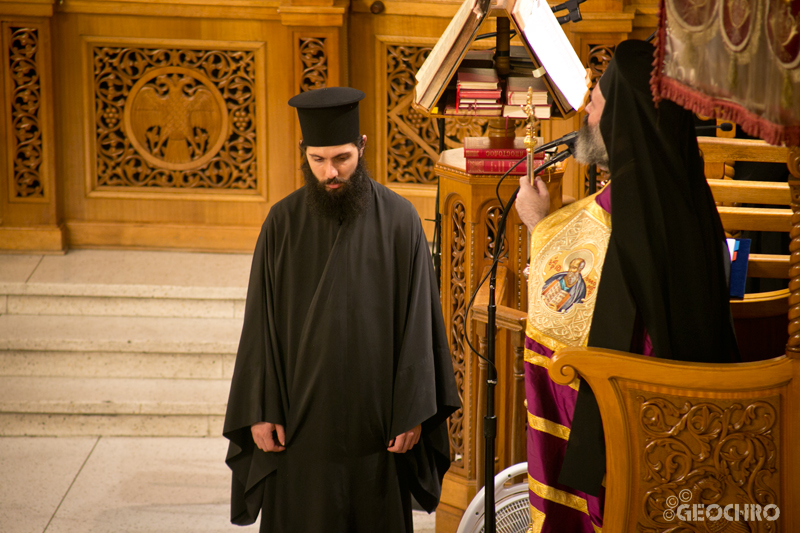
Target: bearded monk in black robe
point(343, 380)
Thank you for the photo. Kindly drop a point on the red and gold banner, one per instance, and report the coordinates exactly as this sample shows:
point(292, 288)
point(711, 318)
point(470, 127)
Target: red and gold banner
point(737, 60)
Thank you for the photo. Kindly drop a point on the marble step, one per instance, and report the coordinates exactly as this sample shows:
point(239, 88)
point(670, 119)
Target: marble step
point(64, 406)
point(132, 347)
point(123, 305)
point(131, 283)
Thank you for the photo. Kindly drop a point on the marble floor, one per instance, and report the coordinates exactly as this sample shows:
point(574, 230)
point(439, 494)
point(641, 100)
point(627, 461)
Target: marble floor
point(112, 484)
point(120, 485)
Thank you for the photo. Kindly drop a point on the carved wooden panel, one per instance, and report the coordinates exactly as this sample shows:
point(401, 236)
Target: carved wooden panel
point(598, 58)
point(412, 139)
point(457, 326)
point(702, 458)
point(25, 135)
point(492, 217)
point(174, 118)
point(314, 63)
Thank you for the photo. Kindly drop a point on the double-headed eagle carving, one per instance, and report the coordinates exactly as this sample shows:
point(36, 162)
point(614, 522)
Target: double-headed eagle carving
point(177, 121)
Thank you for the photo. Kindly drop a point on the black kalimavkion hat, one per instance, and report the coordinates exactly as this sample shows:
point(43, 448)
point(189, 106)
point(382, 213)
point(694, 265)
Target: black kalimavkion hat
point(328, 116)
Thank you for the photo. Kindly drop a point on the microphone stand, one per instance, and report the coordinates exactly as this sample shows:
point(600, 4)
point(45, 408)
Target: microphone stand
point(490, 420)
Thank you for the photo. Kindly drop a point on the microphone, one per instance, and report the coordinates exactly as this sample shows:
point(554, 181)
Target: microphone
point(568, 139)
point(725, 126)
point(560, 156)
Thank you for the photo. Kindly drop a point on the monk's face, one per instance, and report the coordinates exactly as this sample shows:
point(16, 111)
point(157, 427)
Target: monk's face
point(333, 165)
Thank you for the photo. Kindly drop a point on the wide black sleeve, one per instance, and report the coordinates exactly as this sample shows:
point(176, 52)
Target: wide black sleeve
point(256, 393)
point(425, 387)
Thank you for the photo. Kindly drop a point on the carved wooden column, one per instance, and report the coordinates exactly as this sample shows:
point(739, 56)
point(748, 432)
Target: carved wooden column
point(29, 218)
point(470, 214)
point(793, 346)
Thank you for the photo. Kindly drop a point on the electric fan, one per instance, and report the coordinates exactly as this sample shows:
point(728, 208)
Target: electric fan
point(513, 510)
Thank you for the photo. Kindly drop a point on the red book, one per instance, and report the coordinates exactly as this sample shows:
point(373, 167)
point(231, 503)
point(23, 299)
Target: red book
point(480, 102)
point(481, 106)
point(496, 166)
point(496, 148)
point(494, 94)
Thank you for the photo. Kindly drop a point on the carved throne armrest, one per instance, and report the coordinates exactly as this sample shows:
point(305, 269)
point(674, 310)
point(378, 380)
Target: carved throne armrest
point(712, 434)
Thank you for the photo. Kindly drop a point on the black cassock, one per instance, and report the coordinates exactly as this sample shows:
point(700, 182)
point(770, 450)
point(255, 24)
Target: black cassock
point(344, 345)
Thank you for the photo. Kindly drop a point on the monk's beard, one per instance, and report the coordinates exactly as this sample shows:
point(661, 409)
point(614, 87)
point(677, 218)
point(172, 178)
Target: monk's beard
point(589, 146)
point(343, 204)
point(571, 278)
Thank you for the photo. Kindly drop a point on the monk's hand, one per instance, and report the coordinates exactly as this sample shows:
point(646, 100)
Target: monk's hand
point(405, 441)
point(269, 437)
point(533, 201)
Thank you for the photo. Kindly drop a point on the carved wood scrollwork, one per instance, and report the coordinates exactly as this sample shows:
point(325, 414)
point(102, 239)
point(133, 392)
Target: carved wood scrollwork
point(493, 215)
point(458, 289)
point(598, 58)
point(314, 59)
point(412, 139)
point(26, 130)
point(169, 118)
point(708, 453)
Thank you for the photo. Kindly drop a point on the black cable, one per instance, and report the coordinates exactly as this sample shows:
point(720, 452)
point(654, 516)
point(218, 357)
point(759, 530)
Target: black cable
point(501, 227)
point(497, 188)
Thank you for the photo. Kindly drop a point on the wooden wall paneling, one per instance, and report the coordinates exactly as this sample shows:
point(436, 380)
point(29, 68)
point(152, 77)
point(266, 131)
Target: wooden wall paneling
point(197, 9)
point(406, 146)
point(214, 218)
point(28, 206)
point(316, 65)
point(147, 99)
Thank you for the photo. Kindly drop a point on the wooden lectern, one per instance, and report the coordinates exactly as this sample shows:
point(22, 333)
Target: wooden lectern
point(470, 214)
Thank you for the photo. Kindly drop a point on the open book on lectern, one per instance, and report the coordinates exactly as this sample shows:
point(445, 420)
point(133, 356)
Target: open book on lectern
point(553, 57)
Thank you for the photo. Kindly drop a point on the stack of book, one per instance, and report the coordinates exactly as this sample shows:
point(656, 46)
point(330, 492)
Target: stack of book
point(478, 89)
point(496, 155)
point(517, 96)
point(519, 60)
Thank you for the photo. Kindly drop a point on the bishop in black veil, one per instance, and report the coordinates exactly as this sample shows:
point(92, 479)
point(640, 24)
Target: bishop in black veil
point(343, 379)
point(665, 270)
